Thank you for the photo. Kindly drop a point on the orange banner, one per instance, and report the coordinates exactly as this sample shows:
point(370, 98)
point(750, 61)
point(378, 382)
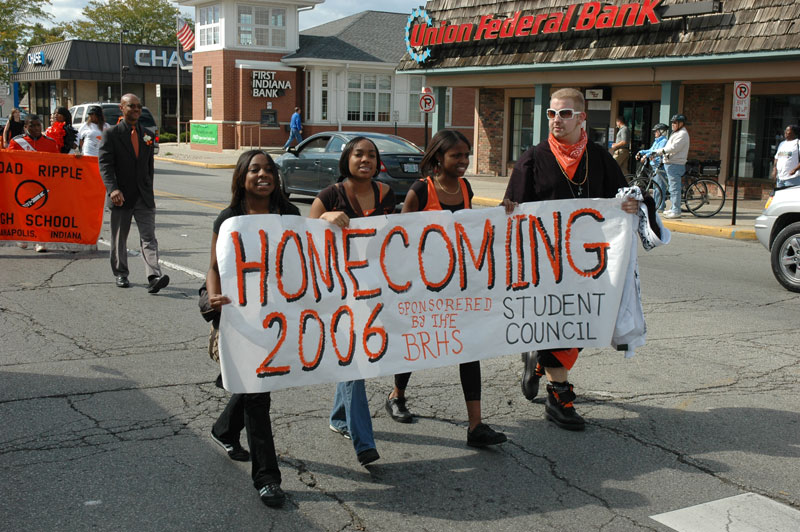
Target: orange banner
point(50, 197)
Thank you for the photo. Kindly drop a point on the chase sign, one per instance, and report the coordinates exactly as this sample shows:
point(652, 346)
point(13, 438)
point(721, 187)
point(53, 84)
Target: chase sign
point(36, 58)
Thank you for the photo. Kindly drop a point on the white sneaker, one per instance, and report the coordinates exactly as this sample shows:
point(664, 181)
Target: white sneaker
point(672, 215)
point(40, 248)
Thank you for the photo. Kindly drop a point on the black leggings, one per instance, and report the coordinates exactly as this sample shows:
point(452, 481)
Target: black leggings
point(470, 373)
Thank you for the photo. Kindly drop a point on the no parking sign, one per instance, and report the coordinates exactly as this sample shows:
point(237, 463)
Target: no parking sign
point(427, 102)
point(741, 100)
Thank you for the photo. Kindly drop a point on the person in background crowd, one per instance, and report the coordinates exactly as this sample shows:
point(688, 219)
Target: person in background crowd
point(787, 156)
point(14, 127)
point(295, 129)
point(621, 149)
point(127, 169)
point(660, 177)
point(34, 141)
point(255, 190)
point(355, 195)
point(675, 153)
point(61, 130)
point(91, 132)
point(563, 166)
point(445, 188)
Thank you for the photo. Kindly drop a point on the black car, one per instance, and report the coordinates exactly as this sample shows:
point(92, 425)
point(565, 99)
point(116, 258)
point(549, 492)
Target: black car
point(314, 163)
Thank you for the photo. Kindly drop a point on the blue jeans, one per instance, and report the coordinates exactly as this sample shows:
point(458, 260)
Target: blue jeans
point(294, 134)
point(674, 174)
point(351, 410)
point(660, 178)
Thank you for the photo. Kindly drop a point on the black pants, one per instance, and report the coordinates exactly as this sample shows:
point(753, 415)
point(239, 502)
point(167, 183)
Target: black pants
point(470, 374)
point(251, 411)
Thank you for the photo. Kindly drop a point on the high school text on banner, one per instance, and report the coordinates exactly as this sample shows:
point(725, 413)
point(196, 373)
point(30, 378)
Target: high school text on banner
point(315, 303)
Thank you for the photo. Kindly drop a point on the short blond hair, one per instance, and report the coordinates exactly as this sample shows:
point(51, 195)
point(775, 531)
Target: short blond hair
point(570, 94)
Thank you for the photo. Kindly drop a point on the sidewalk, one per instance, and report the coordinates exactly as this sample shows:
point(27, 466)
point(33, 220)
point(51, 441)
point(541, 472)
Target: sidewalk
point(489, 191)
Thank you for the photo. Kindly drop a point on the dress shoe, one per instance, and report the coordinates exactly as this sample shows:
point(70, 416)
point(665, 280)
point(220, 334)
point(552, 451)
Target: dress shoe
point(531, 375)
point(157, 283)
point(122, 281)
point(368, 456)
point(396, 408)
point(559, 408)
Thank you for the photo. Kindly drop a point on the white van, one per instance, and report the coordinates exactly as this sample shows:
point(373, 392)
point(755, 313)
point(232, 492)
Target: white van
point(112, 115)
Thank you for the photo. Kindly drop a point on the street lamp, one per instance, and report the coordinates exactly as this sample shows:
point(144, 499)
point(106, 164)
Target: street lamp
point(122, 68)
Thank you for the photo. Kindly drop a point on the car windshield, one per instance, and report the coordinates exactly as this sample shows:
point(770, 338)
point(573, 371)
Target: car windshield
point(395, 145)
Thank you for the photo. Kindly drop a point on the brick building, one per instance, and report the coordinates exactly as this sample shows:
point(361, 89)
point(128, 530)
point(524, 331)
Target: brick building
point(645, 60)
point(252, 67)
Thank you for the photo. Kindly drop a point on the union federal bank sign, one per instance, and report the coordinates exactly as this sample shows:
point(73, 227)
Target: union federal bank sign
point(421, 33)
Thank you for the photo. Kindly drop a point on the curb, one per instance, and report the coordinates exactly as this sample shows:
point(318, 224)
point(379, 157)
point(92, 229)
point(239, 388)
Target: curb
point(730, 232)
point(193, 163)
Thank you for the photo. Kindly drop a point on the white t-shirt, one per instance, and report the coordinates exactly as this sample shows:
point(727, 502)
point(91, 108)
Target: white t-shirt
point(787, 158)
point(91, 135)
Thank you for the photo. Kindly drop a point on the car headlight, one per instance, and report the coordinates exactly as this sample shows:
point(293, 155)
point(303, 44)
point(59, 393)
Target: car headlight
point(769, 201)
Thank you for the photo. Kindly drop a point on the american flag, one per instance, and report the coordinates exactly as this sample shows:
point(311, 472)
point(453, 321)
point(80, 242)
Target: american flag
point(185, 35)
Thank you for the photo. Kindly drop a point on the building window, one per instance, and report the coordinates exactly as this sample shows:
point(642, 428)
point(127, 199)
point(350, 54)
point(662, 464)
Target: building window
point(414, 91)
point(308, 95)
point(208, 93)
point(261, 26)
point(324, 94)
point(763, 132)
point(369, 97)
point(521, 126)
point(208, 26)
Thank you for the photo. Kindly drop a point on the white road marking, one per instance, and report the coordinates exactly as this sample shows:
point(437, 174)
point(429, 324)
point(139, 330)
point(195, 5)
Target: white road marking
point(165, 263)
point(748, 512)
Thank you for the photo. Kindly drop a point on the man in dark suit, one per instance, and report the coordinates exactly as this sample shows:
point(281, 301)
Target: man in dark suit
point(126, 165)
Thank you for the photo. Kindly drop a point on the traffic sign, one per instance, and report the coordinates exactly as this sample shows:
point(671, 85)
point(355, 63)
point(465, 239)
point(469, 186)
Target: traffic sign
point(741, 100)
point(427, 102)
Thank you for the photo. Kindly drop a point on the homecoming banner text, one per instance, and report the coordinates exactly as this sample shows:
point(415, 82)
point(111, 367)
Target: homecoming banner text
point(314, 303)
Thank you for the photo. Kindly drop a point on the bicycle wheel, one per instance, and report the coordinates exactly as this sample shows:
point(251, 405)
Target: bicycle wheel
point(704, 198)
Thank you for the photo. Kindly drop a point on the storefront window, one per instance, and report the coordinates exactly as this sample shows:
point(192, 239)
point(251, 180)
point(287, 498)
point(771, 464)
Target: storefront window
point(324, 95)
point(108, 92)
point(414, 90)
point(369, 97)
point(261, 26)
point(521, 126)
point(308, 94)
point(208, 92)
point(761, 135)
point(208, 26)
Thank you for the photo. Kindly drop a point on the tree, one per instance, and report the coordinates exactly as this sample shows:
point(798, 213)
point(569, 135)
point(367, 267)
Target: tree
point(146, 21)
point(41, 35)
point(16, 19)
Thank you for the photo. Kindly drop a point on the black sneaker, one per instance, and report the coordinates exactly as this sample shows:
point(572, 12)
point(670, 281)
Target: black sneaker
point(235, 451)
point(531, 375)
point(343, 431)
point(396, 408)
point(559, 408)
point(368, 456)
point(484, 435)
point(272, 495)
point(157, 283)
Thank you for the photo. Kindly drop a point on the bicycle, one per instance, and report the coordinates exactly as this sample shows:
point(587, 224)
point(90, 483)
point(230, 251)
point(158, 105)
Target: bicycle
point(703, 197)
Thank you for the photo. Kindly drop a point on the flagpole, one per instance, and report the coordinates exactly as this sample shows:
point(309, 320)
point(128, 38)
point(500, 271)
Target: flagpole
point(178, 86)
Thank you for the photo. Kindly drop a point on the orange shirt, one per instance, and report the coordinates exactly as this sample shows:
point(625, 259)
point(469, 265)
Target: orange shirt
point(43, 144)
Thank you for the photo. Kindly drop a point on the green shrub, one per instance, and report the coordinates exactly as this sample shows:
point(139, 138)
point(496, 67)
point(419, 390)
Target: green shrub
point(167, 137)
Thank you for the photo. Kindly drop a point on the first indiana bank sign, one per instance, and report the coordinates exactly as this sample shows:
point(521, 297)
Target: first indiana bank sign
point(421, 33)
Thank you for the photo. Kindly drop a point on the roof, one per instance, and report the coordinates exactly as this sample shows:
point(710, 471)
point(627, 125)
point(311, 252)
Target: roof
point(97, 61)
point(742, 27)
point(369, 36)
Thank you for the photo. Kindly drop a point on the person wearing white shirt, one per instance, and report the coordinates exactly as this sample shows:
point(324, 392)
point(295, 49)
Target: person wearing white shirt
point(91, 132)
point(787, 157)
point(675, 154)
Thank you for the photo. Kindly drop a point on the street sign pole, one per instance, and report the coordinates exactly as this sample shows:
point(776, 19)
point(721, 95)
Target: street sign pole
point(741, 111)
point(427, 103)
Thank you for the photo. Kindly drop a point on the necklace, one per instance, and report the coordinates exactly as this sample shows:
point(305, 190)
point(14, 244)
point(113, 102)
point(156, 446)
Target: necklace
point(439, 182)
point(585, 174)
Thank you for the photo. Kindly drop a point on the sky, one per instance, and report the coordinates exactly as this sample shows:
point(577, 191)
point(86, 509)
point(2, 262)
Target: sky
point(68, 10)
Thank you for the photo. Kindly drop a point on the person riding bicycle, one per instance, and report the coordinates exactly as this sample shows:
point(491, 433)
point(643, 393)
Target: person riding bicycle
point(660, 177)
point(675, 153)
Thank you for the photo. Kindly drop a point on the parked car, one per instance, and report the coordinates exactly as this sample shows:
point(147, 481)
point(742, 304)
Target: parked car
point(778, 229)
point(112, 114)
point(314, 163)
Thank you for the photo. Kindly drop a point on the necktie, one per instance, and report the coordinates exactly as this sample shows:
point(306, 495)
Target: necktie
point(135, 141)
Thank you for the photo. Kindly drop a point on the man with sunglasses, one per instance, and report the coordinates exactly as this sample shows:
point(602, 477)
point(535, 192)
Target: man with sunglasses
point(564, 166)
point(127, 169)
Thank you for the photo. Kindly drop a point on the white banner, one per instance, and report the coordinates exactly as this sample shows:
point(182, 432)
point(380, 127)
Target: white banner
point(314, 303)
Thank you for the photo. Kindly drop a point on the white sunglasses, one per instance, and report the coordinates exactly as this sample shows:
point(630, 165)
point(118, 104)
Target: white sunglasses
point(563, 114)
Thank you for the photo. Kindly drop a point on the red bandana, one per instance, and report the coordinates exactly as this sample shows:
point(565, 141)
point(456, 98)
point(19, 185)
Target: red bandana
point(568, 155)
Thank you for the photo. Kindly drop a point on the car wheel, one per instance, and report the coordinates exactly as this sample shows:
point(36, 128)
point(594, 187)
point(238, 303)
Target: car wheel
point(785, 257)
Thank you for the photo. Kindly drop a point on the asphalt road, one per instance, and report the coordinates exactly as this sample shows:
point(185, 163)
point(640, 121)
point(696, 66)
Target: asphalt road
point(107, 401)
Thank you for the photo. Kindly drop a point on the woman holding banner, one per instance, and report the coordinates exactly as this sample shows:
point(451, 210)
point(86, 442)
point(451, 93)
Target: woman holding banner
point(255, 190)
point(445, 188)
point(354, 196)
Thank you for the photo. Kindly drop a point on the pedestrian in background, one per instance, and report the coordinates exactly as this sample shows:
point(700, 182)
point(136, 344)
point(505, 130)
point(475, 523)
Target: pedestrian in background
point(355, 195)
point(675, 153)
point(659, 176)
point(255, 189)
point(127, 169)
point(90, 133)
point(295, 129)
point(621, 149)
point(787, 156)
point(444, 163)
point(14, 127)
